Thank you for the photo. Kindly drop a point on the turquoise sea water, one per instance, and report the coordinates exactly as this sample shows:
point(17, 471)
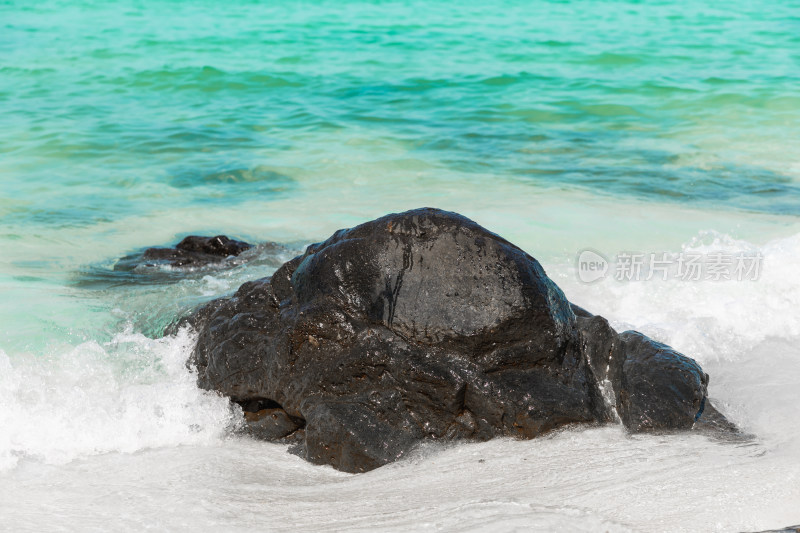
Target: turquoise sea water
point(616, 125)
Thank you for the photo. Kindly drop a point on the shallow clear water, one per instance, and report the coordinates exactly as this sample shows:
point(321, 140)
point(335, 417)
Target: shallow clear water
point(617, 126)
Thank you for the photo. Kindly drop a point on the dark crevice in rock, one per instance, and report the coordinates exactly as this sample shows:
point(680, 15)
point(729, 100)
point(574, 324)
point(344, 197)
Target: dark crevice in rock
point(266, 419)
point(252, 405)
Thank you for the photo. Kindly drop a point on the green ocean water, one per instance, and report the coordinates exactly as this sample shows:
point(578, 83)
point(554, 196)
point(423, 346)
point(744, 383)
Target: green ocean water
point(113, 109)
point(130, 124)
point(614, 125)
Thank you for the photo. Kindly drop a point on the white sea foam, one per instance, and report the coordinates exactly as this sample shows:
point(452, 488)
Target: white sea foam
point(123, 396)
point(746, 334)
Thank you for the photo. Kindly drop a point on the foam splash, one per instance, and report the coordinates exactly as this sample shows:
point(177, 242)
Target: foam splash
point(126, 395)
point(746, 334)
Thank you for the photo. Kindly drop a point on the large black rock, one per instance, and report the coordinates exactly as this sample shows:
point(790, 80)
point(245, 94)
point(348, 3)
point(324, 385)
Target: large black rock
point(424, 325)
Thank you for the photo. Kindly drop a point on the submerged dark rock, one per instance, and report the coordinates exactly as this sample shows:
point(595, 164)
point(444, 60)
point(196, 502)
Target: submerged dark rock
point(192, 251)
point(425, 326)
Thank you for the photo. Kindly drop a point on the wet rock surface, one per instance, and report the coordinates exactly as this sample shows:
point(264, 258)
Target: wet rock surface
point(425, 326)
point(192, 251)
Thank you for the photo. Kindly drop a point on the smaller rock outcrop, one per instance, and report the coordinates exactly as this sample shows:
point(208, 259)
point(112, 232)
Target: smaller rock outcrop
point(655, 387)
point(192, 251)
